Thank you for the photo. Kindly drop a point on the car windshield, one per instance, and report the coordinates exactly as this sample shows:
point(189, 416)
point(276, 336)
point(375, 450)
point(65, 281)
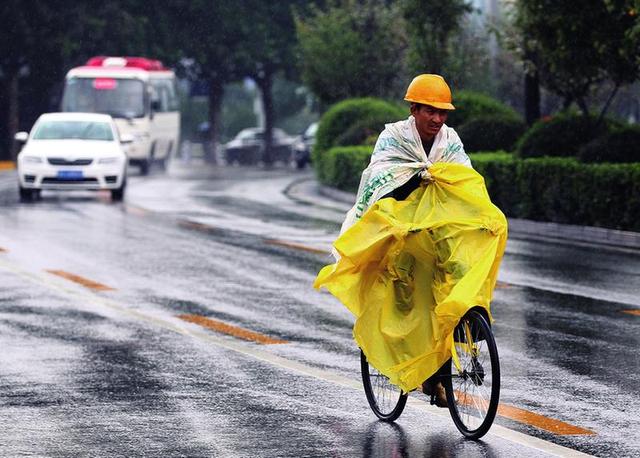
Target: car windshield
point(121, 98)
point(251, 134)
point(78, 130)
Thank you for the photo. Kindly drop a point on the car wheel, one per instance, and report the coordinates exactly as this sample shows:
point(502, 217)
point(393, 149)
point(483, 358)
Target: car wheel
point(118, 194)
point(163, 163)
point(145, 164)
point(26, 195)
point(301, 163)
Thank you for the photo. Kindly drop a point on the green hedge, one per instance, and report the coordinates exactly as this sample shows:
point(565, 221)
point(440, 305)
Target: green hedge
point(343, 115)
point(491, 133)
point(620, 146)
point(359, 132)
point(343, 165)
point(352, 122)
point(563, 190)
point(472, 105)
point(562, 135)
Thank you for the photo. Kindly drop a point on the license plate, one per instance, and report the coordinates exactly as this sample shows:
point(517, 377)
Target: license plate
point(70, 175)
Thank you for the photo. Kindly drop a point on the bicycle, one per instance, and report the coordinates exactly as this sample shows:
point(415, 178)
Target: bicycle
point(472, 392)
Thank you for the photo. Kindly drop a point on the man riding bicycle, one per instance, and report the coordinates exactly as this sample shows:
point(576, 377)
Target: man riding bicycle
point(420, 247)
point(430, 99)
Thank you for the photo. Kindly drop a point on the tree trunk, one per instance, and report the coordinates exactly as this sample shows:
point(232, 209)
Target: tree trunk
point(13, 113)
point(265, 82)
point(607, 104)
point(582, 103)
point(531, 97)
point(216, 92)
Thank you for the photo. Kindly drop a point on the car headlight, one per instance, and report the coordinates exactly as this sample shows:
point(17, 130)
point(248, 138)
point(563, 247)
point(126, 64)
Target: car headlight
point(32, 159)
point(107, 160)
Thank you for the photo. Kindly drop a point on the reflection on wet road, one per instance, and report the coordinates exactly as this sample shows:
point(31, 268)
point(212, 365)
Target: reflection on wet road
point(197, 259)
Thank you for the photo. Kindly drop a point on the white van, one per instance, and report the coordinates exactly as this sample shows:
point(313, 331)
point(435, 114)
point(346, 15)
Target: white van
point(139, 93)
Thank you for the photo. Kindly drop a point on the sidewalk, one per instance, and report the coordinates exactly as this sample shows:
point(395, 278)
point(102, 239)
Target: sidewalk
point(310, 191)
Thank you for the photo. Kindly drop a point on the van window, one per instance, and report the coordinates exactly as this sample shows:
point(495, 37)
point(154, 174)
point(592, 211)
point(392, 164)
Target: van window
point(121, 98)
point(165, 93)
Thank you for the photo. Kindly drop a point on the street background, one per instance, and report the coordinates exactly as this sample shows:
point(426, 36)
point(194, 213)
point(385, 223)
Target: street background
point(178, 318)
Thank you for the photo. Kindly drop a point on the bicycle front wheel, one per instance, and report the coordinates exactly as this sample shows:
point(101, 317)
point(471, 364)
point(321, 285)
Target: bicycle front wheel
point(474, 389)
point(385, 399)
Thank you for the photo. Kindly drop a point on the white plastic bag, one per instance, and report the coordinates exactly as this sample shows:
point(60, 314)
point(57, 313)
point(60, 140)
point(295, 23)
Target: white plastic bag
point(397, 156)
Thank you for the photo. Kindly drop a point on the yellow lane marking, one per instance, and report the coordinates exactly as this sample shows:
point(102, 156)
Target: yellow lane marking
point(81, 280)
point(540, 421)
point(196, 226)
point(296, 246)
point(7, 165)
point(234, 331)
point(138, 211)
point(552, 425)
point(632, 312)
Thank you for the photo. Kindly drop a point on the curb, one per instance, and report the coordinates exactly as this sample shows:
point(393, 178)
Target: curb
point(538, 230)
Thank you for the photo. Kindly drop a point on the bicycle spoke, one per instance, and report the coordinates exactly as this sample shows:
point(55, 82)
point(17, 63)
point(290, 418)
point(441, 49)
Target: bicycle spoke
point(473, 401)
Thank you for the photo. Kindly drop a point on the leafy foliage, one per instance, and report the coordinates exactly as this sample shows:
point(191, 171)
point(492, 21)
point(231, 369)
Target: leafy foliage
point(491, 133)
point(359, 132)
point(561, 135)
point(563, 190)
point(350, 49)
point(430, 25)
point(471, 105)
point(554, 189)
point(40, 40)
point(578, 44)
point(339, 118)
point(342, 166)
point(621, 146)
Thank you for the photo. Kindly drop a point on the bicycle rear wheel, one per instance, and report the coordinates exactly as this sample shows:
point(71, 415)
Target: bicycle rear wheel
point(385, 399)
point(473, 392)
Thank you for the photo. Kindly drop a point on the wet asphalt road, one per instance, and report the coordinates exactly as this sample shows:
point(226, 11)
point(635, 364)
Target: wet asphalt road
point(89, 371)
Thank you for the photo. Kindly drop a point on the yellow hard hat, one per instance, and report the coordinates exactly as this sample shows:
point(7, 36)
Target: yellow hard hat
point(430, 90)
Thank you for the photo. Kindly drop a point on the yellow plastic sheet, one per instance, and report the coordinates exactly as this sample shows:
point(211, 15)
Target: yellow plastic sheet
point(409, 270)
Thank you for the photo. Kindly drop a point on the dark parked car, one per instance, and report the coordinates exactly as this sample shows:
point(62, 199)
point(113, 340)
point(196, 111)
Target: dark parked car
point(303, 145)
point(248, 145)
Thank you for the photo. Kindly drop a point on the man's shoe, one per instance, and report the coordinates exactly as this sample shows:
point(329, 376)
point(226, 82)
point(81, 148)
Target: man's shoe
point(439, 396)
point(426, 387)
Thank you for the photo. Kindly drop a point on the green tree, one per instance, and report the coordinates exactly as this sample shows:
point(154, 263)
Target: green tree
point(211, 33)
point(431, 24)
point(268, 49)
point(41, 39)
point(574, 46)
point(31, 41)
point(351, 49)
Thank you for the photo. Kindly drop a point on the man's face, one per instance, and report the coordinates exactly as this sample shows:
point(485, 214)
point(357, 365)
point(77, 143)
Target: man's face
point(429, 120)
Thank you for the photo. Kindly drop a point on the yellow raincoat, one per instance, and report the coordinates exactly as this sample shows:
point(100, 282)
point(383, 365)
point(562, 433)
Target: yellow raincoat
point(409, 270)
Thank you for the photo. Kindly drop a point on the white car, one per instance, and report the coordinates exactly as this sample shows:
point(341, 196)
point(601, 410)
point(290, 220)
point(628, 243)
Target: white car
point(72, 151)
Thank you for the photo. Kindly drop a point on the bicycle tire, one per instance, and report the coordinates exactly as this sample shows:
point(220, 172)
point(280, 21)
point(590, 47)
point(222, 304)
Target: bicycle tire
point(385, 399)
point(472, 404)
